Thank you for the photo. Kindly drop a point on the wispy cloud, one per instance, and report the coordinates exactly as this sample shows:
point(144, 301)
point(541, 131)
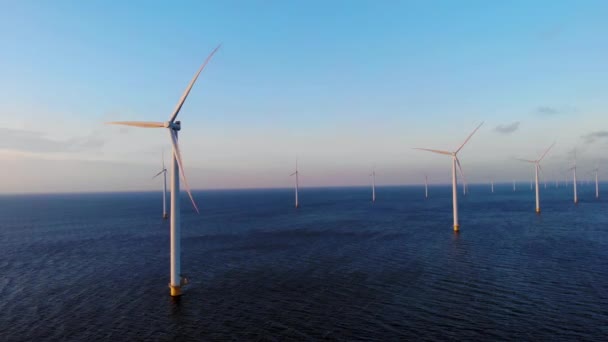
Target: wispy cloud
point(549, 111)
point(508, 128)
point(594, 136)
point(32, 141)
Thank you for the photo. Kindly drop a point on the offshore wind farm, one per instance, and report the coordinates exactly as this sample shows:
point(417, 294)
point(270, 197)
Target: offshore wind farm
point(288, 231)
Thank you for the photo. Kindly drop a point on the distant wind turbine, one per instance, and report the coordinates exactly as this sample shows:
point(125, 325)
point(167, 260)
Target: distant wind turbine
point(163, 171)
point(426, 186)
point(536, 169)
point(492, 184)
point(455, 162)
point(296, 173)
point(177, 167)
point(597, 187)
point(373, 175)
point(573, 168)
point(514, 185)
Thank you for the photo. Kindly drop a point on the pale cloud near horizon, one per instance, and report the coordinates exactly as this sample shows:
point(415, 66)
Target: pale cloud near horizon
point(39, 142)
point(594, 136)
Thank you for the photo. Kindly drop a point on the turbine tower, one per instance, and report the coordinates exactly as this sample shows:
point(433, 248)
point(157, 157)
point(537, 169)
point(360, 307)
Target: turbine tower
point(296, 188)
point(455, 163)
point(426, 186)
point(163, 171)
point(514, 185)
point(597, 188)
point(536, 169)
point(573, 168)
point(373, 175)
point(492, 184)
point(177, 168)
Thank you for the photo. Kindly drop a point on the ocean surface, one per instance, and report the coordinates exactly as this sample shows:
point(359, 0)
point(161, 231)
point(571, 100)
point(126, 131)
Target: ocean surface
point(84, 267)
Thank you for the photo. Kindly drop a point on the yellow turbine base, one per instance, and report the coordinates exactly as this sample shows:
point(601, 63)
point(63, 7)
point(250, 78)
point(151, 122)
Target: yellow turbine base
point(456, 228)
point(176, 291)
point(538, 210)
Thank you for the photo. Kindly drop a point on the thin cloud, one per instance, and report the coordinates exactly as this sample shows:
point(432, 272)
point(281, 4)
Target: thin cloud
point(549, 111)
point(594, 136)
point(32, 141)
point(507, 129)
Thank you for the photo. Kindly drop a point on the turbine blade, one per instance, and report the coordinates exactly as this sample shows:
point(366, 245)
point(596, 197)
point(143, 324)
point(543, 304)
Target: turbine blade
point(178, 156)
point(179, 105)
point(292, 174)
point(434, 151)
point(547, 151)
point(158, 174)
point(468, 138)
point(542, 173)
point(144, 124)
point(526, 160)
point(464, 181)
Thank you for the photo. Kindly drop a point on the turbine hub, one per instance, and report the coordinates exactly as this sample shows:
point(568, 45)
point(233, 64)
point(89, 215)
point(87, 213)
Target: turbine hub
point(175, 125)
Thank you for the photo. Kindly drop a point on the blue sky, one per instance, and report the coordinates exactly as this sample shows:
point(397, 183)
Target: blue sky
point(343, 85)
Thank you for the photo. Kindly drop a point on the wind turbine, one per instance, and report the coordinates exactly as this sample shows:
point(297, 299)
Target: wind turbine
point(177, 167)
point(536, 169)
point(455, 162)
point(296, 174)
point(597, 188)
point(492, 184)
point(573, 168)
point(373, 175)
point(163, 171)
point(514, 185)
point(426, 186)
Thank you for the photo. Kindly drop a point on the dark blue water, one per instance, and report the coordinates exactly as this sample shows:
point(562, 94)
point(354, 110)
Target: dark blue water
point(96, 266)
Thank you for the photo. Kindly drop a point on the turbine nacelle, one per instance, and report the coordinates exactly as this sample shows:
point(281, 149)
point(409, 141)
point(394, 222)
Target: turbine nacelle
point(175, 125)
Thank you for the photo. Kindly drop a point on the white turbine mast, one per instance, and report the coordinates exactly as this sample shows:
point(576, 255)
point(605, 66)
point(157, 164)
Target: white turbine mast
point(597, 187)
point(455, 164)
point(163, 171)
point(296, 173)
point(373, 175)
point(573, 168)
point(177, 168)
point(426, 186)
point(537, 168)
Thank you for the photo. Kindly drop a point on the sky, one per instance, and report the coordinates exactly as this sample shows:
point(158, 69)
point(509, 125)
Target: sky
point(343, 86)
